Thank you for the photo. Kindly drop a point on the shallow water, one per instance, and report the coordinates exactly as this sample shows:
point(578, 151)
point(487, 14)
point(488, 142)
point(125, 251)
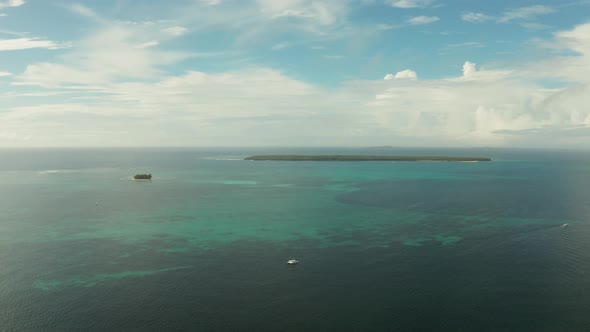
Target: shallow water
point(382, 245)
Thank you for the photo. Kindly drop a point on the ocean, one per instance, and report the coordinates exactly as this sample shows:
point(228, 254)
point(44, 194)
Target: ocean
point(383, 246)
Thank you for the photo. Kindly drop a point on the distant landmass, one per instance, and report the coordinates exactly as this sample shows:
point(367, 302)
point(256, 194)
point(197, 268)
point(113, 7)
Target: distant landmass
point(360, 158)
point(142, 177)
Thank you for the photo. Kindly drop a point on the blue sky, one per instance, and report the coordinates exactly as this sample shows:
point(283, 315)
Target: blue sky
point(294, 72)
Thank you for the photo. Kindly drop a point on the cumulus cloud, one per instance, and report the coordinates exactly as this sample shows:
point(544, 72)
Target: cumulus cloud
point(534, 26)
point(568, 68)
point(175, 31)
point(406, 74)
point(82, 10)
point(498, 107)
point(471, 73)
point(280, 46)
point(211, 2)
point(11, 3)
point(522, 13)
point(226, 103)
point(469, 69)
point(113, 52)
point(418, 20)
point(464, 44)
point(324, 13)
point(526, 13)
point(252, 23)
point(151, 43)
point(273, 108)
point(28, 43)
point(124, 84)
point(410, 3)
point(475, 17)
point(481, 111)
point(5, 73)
point(577, 39)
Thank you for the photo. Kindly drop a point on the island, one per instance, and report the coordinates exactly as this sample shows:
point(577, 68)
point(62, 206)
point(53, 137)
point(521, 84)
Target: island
point(142, 177)
point(361, 158)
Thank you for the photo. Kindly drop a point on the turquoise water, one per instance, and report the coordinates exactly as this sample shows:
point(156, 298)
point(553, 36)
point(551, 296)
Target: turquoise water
point(383, 245)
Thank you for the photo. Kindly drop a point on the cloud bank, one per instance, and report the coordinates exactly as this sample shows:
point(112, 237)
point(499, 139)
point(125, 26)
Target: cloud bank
point(122, 84)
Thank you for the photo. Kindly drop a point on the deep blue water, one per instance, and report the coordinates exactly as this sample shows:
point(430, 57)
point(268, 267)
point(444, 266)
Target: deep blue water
point(384, 246)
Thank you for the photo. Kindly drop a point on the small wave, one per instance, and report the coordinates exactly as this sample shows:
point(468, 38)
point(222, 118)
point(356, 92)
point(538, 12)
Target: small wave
point(57, 171)
point(81, 170)
point(224, 158)
point(239, 182)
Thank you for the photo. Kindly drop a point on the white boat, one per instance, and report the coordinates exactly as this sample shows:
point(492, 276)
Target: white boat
point(292, 262)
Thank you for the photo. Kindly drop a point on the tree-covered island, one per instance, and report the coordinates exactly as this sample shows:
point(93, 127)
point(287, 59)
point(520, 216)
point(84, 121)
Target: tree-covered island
point(360, 158)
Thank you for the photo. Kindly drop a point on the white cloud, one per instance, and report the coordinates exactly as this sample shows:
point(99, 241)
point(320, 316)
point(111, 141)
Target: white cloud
point(418, 20)
point(264, 106)
point(406, 74)
point(191, 103)
point(175, 31)
point(11, 3)
point(471, 73)
point(148, 44)
point(526, 13)
point(534, 26)
point(280, 46)
point(211, 2)
point(475, 17)
point(465, 44)
point(324, 13)
point(385, 27)
point(498, 107)
point(5, 73)
point(481, 111)
point(82, 10)
point(577, 39)
point(113, 52)
point(123, 84)
point(28, 43)
point(253, 23)
point(522, 13)
point(410, 3)
point(572, 68)
point(469, 69)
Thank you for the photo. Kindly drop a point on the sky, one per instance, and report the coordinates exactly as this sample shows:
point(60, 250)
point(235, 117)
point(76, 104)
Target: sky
point(413, 73)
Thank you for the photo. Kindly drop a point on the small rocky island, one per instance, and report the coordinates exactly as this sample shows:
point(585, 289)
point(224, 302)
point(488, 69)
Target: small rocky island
point(142, 177)
point(360, 158)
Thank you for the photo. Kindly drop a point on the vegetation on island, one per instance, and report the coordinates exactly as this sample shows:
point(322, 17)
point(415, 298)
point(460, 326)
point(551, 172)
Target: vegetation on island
point(361, 158)
point(142, 177)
